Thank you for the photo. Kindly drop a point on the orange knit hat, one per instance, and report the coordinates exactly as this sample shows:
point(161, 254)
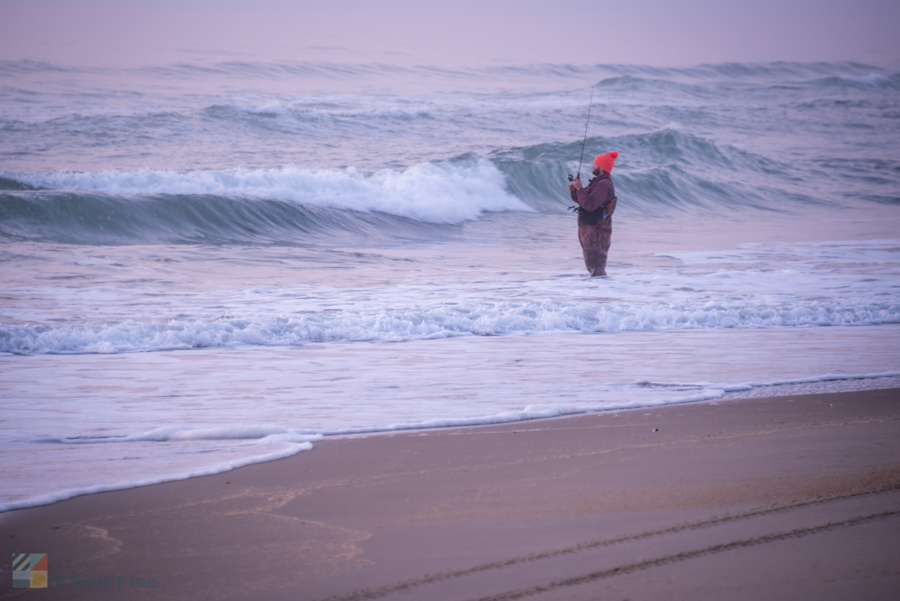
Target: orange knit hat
point(607, 160)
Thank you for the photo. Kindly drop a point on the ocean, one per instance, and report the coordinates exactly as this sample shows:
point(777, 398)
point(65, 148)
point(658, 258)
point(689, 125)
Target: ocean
point(211, 264)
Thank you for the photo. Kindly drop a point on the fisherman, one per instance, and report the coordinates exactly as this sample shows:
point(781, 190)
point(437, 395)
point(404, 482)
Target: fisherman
point(596, 205)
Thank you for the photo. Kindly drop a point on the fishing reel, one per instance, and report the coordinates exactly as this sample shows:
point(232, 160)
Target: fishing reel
point(571, 177)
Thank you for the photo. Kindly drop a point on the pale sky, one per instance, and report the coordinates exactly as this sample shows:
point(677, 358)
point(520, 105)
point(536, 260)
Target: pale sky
point(451, 33)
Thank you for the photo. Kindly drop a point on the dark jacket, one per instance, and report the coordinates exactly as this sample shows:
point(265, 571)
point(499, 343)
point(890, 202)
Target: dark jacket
point(594, 199)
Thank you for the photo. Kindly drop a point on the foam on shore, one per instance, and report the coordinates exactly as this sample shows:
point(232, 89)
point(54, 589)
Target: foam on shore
point(287, 442)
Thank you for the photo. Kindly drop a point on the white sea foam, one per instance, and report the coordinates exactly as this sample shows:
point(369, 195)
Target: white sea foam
point(432, 192)
point(291, 442)
point(532, 412)
point(751, 385)
point(704, 391)
point(265, 434)
point(438, 321)
point(69, 493)
point(220, 409)
point(856, 252)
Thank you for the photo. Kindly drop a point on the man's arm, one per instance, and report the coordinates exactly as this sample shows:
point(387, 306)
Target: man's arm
point(592, 197)
point(574, 187)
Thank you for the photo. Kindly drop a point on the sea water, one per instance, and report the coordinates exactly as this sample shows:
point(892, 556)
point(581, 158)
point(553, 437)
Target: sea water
point(210, 264)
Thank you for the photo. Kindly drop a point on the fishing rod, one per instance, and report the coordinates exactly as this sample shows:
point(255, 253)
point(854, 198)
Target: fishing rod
point(580, 160)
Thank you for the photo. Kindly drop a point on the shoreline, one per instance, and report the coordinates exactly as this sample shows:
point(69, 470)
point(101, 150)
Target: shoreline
point(642, 496)
point(802, 386)
point(185, 412)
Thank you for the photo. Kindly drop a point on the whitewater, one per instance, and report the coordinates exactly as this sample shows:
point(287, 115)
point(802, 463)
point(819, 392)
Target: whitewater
point(207, 265)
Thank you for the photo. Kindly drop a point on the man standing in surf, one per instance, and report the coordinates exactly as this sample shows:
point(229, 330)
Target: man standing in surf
point(596, 205)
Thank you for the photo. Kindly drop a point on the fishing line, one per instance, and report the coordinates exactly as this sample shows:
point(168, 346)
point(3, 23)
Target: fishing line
point(581, 159)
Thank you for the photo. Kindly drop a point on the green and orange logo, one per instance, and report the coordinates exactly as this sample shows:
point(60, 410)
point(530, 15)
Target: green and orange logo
point(29, 570)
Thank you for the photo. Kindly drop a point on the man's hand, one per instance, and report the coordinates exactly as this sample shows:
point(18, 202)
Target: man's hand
point(575, 185)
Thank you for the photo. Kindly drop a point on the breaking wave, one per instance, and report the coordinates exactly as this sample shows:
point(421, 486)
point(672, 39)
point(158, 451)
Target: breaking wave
point(239, 205)
point(657, 172)
point(394, 325)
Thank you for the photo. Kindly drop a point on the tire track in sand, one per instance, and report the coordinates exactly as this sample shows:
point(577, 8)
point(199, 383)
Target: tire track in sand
point(406, 585)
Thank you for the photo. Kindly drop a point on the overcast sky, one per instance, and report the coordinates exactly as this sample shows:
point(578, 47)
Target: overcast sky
point(452, 32)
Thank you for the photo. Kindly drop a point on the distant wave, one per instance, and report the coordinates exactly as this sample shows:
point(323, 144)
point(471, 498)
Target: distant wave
point(865, 81)
point(315, 115)
point(395, 325)
point(782, 70)
point(665, 169)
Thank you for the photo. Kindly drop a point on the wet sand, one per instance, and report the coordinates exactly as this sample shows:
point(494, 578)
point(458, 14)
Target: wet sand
point(779, 498)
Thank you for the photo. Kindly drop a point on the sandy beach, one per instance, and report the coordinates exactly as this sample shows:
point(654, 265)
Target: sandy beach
point(779, 498)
